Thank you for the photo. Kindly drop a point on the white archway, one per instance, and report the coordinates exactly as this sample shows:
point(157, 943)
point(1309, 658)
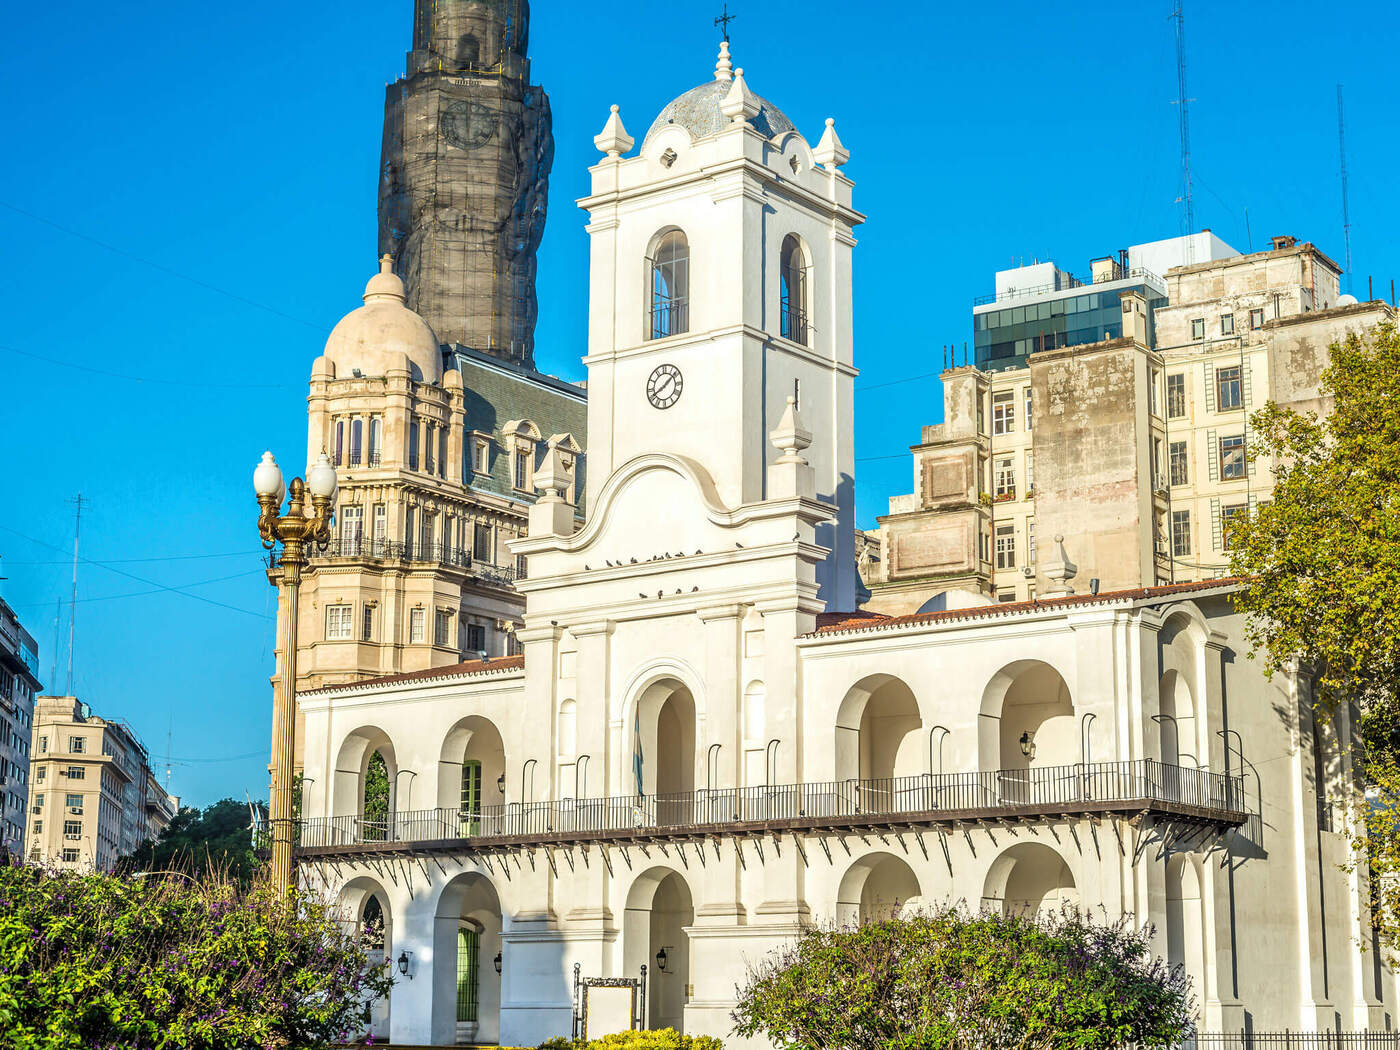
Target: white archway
point(1186, 921)
point(471, 766)
point(1029, 878)
point(660, 908)
point(877, 731)
point(352, 768)
point(363, 904)
point(877, 886)
point(467, 936)
point(1027, 719)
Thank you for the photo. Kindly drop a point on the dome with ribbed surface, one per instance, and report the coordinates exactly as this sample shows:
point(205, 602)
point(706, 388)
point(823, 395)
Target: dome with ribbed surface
point(699, 112)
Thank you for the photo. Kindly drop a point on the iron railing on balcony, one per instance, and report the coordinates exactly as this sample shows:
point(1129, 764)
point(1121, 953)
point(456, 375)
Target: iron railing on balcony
point(389, 551)
point(1287, 1040)
point(1020, 792)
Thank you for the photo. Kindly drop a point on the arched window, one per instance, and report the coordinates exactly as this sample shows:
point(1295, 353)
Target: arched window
point(669, 267)
point(470, 812)
point(793, 288)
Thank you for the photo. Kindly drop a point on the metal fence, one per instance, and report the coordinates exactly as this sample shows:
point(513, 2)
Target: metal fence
point(1288, 1040)
point(1014, 791)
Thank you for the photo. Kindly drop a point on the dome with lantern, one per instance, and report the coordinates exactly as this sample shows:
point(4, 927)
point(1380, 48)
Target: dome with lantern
point(700, 110)
point(377, 337)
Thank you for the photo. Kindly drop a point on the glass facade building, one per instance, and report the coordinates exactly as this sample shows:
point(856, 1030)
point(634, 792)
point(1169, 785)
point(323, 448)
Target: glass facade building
point(1007, 332)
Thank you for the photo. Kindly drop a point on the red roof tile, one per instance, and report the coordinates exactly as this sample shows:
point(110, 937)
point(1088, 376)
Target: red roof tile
point(468, 668)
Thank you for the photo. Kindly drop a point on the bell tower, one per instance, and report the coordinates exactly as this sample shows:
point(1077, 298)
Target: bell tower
point(721, 288)
point(464, 175)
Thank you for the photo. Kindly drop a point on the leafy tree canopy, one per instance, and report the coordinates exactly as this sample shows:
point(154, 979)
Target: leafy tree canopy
point(951, 979)
point(97, 961)
point(215, 839)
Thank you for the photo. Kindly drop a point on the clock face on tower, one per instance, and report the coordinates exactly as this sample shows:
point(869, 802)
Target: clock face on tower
point(664, 386)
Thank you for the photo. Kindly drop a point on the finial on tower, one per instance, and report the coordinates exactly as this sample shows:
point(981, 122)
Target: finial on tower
point(740, 104)
point(724, 19)
point(723, 67)
point(613, 139)
point(830, 153)
point(386, 263)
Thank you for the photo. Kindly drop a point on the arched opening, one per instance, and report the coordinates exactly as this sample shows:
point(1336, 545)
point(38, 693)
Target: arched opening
point(468, 51)
point(663, 749)
point(364, 788)
point(365, 905)
point(470, 769)
point(793, 290)
point(1186, 921)
point(467, 938)
point(1029, 878)
point(1178, 720)
point(879, 886)
point(1027, 730)
point(659, 909)
point(668, 268)
point(878, 743)
point(755, 733)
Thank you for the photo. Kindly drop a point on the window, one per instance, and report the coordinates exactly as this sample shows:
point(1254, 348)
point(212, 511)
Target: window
point(1030, 542)
point(476, 638)
point(1003, 412)
point(72, 829)
point(1030, 473)
point(43, 744)
point(1176, 396)
point(381, 524)
point(521, 566)
point(442, 452)
point(1256, 319)
point(74, 803)
point(442, 622)
point(481, 460)
point(1156, 463)
point(77, 745)
point(38, 827)
point(429, 445)
point(339, 442)
point(376, 440)
point(793, 291)
point(70, 856)
point(1180, 473)
point(352, 529)
point(1232, 458)
point(1229, 388)
point(1153, 378)
point(357, 433)
point(75, 773)
point(670, 286)
point(1004, 478)
point(1198, 328)
point(481, 542)
point(1181, 533)
point(1227, 324)
point(40, 773)
point(417, 622)
point(984, 542)
point(522, 469)
point(413, 445)
point(338, 623)
point(1006, 596)
point(1006, 546)
point(1227, 519)
point(367, 624)
point(471, 787)
point(426, 527)
point(1028, 410)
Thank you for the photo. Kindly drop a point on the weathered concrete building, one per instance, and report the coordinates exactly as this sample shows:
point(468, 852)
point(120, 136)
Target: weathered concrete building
point(19, 681)
point(465, 175)
point(1133, 448)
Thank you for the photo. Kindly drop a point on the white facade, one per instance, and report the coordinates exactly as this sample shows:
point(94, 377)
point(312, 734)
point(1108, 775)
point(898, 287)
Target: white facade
point(702, 749)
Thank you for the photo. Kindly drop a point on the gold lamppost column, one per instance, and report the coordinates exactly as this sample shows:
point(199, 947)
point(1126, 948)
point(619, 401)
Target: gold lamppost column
point(294, 530)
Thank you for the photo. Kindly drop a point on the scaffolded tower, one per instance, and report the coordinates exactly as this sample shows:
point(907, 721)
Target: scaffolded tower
point(464, 175)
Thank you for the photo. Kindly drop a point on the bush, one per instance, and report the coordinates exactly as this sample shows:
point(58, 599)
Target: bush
point(89, 960)
point(648, 1039)
point(950, 979)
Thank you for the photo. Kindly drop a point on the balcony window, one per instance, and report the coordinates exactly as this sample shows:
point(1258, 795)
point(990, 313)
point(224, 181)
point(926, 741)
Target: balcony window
point(442, 452)
point(481, 542)
point(1229, 388)
point(339, 442)
point(669, 269)
point(429, 444)
point(1004, 479)
point(376, 440)
point(357, 435)
point(793, 291)
point(413, 445)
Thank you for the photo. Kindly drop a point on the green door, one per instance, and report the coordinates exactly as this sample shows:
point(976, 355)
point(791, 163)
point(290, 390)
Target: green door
point(470, 814)
point(468, 948)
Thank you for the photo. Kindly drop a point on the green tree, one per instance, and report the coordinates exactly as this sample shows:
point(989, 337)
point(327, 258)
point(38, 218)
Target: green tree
point(1322, 561)
point(376, 813)
point(951, 979)
point(96, 960)
point(215, 839)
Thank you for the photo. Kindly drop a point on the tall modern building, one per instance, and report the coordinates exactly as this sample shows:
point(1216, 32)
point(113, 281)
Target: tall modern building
point(93, 798)
point(19, 681)
point(465, 175)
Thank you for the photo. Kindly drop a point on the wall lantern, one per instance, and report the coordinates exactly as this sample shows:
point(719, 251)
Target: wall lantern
point(1027, 744)
point(497, 961)
point(403, 965)
point(501, 783)
point(661, 960)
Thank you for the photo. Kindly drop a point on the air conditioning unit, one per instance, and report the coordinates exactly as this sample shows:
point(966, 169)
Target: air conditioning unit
point(76, 809)
point(73, 838)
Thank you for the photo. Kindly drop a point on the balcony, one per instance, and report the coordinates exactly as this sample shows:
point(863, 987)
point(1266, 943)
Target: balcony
point(1125, 789)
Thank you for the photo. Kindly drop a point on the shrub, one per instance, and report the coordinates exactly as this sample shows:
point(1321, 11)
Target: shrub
point(648, 1039)
point(950, 979)
point(89, 960)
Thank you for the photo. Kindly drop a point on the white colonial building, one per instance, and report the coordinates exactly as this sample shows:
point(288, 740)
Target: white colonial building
point(703, 746)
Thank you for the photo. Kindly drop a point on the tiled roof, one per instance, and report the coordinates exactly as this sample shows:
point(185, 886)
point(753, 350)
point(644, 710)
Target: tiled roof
point(466, 669)
point(842, 623)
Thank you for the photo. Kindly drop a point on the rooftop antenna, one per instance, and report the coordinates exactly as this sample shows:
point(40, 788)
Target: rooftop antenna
point(73, 604)
point(1188, 213)
point(57, 624)
point(1346, 217)
point(724, 19)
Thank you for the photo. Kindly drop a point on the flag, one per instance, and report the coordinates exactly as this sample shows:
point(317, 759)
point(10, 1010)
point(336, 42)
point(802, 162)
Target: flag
point(637, 749)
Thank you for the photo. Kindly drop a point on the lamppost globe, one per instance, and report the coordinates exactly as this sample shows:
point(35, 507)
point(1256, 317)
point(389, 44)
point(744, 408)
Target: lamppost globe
point(321, 480)
point(267, 478)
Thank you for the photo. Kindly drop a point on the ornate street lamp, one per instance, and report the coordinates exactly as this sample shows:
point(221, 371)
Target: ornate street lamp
point(294, 530)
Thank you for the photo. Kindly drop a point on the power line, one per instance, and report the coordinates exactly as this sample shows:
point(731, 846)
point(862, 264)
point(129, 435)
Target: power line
point(896, 382)
point(872, 459)
point(139, 594)
point(114, 249)
point(203, 384)
point(131, 561)
point(139, 579)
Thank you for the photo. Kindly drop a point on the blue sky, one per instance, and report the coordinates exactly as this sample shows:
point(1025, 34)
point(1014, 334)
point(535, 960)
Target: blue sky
point(188, 204)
